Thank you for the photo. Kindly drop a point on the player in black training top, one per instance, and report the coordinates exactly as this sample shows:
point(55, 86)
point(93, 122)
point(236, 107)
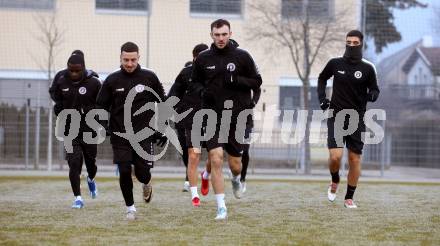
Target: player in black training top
point(222, 74)
point(354, 84)
point(54, 85)
point(76, 89)
point(112, 98)
point(188, 100)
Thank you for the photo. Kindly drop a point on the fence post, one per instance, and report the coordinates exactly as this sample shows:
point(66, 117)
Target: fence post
point(37, 138)
point(26, 144)
point(49, 141)
point(384, 151)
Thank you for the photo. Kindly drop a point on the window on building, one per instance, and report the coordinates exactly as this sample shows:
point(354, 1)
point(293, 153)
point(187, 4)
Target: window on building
point(124, 5)
point(314, 8)
point(231, 7)
point(27, 4)
point(290, 98)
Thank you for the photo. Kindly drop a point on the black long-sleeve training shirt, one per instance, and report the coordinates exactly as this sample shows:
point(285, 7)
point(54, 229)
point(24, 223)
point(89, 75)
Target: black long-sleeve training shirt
point(114, 92)
point(188, 99)
point(351, 83)
point(191, 100)
point(80, 96)
point(210, 74)
point(54, 86)
point(181, 89)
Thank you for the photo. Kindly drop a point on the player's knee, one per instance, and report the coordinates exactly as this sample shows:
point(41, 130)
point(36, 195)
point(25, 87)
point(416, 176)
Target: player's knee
point(216, 161)
point(124, 169)
point(354, 157)
point(194, 157)
point(335, 159)
point(143, 177)
point(74, 171)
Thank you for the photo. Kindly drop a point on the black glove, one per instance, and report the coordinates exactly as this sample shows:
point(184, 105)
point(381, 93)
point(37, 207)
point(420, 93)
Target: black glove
point(372, 96)
point(160, 139)
point(231, 79)
point(325, 104)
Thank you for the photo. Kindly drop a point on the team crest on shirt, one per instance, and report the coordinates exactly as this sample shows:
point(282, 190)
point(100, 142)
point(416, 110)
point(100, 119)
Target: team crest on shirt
point(230, 67)
point(358, 74)
point(139, 88)
point(82, 90)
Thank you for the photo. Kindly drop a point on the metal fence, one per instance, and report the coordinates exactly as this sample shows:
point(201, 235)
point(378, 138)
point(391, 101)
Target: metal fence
point(24, 145)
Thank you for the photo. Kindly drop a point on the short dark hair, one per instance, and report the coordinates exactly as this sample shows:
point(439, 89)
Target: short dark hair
point(219, 23)
point(78, 52)
point(199, 48)
point(356, 33)
point(129, 47)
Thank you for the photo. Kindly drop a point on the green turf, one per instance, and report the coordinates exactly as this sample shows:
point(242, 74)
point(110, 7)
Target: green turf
point(36, 211)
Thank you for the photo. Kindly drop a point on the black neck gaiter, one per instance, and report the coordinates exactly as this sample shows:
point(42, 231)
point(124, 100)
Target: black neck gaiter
point(353, 53)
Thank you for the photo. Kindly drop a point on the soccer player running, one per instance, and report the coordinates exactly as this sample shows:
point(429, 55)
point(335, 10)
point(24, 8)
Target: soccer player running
point(76, 89)
point(180, 89)
point(222, 74)
point(354, 84)
point(188, 100)
point(112, 98)
point(54, 85)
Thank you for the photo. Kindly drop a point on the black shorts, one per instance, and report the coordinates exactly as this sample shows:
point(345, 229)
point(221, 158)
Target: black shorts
point(353, 141)
point(232, 147)
point(80, 150)
point(189, 140)
point(126, 153)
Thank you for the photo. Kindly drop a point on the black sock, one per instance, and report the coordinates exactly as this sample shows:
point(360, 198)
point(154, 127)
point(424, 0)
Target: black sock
point(335, 177)
point(350, 192)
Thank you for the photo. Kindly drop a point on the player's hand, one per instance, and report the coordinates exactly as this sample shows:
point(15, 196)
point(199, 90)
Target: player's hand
point(372, 96)
point(160, 139)
point(325, 104)
point(231, 79)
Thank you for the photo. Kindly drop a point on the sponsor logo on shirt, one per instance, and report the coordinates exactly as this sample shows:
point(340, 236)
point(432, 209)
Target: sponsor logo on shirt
point(230, 67)
point(139, 88)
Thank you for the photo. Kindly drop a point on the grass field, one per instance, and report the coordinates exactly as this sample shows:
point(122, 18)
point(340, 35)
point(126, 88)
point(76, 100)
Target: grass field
point(36, 211)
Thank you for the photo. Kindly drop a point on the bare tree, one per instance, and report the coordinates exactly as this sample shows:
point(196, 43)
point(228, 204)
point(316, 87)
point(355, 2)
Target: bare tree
point(305, 33)
point(50, 35)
